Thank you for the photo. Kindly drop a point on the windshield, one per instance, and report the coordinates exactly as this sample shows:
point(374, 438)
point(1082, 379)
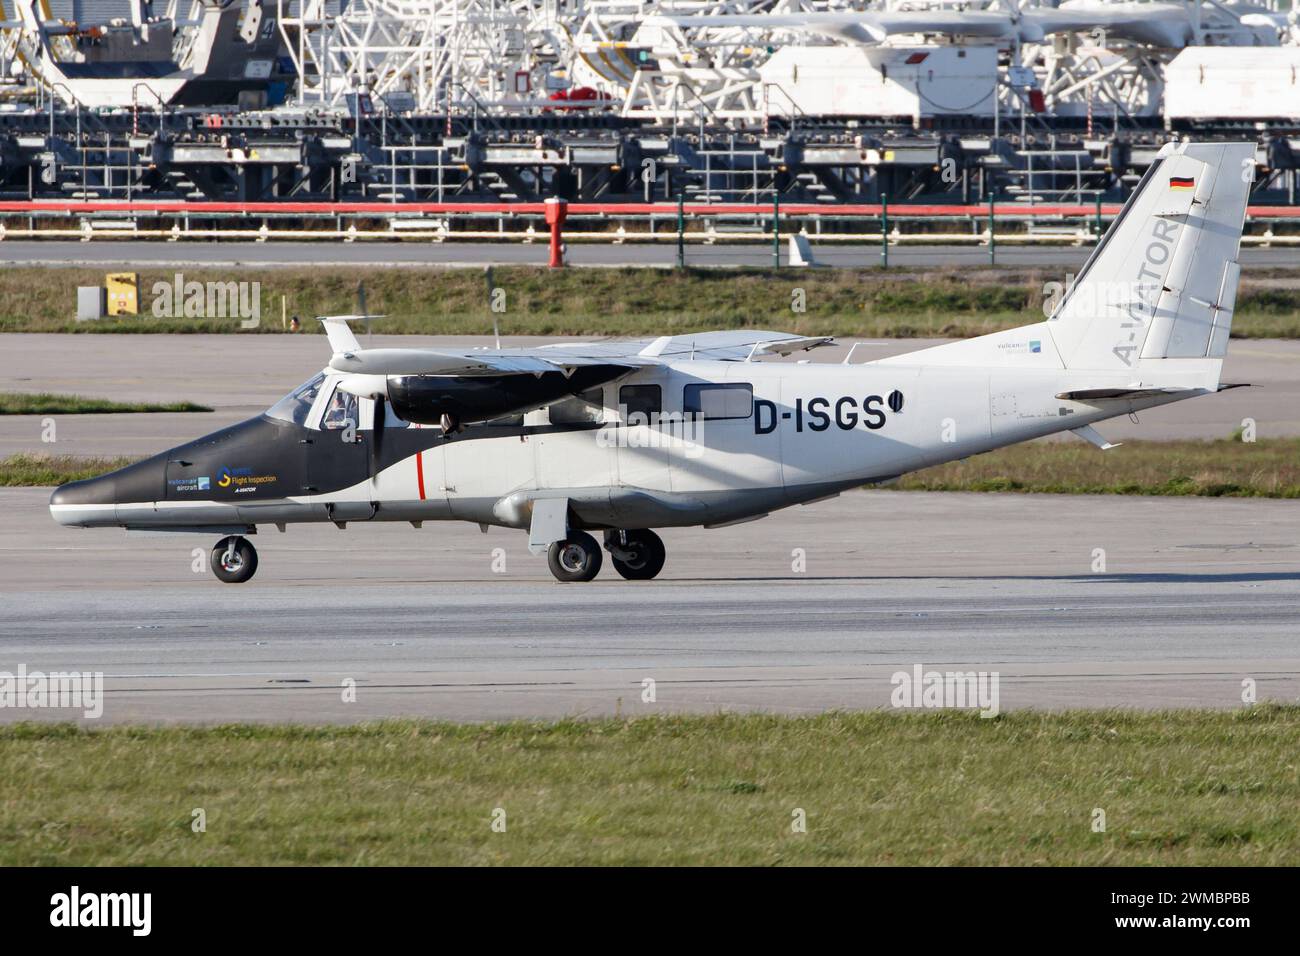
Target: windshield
point(295, 406)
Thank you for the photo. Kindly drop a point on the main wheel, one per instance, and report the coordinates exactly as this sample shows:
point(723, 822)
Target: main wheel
point(234, 560)
point(576, 558)
point(640, 557)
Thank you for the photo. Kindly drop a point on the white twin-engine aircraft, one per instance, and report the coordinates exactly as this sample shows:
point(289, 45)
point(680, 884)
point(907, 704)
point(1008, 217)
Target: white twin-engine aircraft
point(623, 437)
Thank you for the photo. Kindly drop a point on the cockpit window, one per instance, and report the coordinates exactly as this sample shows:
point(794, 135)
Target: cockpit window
point(295, 406)
point(341, 412)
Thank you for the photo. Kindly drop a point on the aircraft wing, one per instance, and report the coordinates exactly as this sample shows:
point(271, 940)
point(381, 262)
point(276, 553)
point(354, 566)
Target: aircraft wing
point(726, 346)
point(735, 345)
point(469, 362)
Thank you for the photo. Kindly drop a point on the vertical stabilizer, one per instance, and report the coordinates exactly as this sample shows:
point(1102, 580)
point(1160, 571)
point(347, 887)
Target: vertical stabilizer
point(1162, 284)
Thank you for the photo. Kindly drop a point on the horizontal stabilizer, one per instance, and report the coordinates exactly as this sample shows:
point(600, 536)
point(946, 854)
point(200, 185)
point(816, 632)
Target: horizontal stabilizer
point(1108, 394)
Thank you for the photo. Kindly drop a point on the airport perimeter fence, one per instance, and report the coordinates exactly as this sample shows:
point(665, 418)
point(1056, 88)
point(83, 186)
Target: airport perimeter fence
point(695, 234)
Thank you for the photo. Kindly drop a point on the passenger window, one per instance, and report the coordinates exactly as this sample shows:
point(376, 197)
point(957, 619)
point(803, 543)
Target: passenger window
point(341, 413)
point(588, 406)
point(643, 401)
point(732, 400)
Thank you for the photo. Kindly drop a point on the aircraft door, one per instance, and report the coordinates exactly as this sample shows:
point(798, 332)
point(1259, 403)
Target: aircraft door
point(642, 439)
point(339, 461)
point(570, 452)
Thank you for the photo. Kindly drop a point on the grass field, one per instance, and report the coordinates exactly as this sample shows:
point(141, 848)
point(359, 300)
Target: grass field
point(45, 403)
point(1269, 468)
point(1227, 467)
point(941, 788)
point(25, 471)
point(537, 301)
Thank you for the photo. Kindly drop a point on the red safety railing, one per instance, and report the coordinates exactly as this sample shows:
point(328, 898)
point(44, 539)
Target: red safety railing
point(920, 210)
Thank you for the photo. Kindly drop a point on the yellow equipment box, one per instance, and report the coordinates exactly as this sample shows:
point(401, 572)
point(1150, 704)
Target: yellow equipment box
point(123, 293)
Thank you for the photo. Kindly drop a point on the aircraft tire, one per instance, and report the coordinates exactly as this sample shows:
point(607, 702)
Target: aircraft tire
point(241, 568)
point(576, 558)
point(649, 552)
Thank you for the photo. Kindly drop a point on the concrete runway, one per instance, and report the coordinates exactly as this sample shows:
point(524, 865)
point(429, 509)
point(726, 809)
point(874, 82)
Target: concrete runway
point(149, 254)
point(241, 376)
point(1198, 595)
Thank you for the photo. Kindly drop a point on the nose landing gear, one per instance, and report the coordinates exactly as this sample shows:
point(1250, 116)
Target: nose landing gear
point(234, 560)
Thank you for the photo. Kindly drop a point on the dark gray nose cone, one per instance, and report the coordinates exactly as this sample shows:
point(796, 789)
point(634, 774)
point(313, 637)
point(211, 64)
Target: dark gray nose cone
point(94, 501)
point(91, 491)
point(84, 504)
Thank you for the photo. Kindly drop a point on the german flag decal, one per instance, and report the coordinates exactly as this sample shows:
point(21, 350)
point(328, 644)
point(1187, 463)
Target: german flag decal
point(1182, 182)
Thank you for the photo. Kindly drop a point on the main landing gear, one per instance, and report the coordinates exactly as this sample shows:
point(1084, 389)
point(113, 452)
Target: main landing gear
point(576, 558)
point(234, 560)
point(637, 555)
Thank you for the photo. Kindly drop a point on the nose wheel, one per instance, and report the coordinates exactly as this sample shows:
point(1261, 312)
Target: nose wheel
point(234, 560)
point(637, 555)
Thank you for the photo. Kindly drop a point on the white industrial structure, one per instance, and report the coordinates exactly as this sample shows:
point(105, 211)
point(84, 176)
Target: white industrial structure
point(745, 61)
point(729, 62)
point(823, 101)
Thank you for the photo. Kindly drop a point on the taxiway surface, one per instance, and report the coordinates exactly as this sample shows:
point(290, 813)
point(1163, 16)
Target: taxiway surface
point(1197, 596)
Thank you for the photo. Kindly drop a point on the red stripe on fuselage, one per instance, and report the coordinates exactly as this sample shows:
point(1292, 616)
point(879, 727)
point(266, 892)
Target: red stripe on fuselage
point(419, 472)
